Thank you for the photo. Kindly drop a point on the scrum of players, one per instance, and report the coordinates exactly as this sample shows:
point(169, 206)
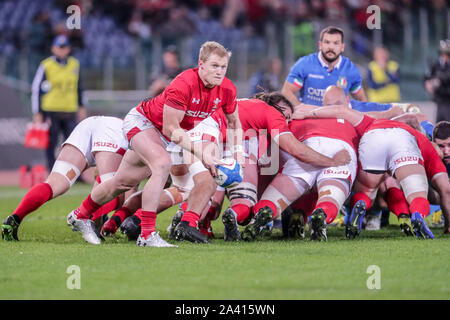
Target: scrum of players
point(302, 161)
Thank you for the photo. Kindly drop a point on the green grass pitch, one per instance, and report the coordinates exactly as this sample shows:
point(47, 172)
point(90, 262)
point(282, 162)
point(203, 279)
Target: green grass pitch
point(36, 267)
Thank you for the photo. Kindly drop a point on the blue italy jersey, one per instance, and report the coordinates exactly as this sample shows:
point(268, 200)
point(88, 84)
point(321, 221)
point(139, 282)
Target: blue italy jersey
point(369, 106)
point(310, 74)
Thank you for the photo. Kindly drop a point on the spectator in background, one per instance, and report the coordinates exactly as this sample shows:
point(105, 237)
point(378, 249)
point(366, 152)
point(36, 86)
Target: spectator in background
point(138, 27)
point(269, 77)
point(383, 78)
point(57, 96)
point(177, 25)
point(171, 68)
point(38, 37)
point(437, 81)
point(38, 33)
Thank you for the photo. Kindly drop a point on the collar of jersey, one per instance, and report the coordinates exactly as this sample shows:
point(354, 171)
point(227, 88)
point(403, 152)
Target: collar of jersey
point(60, 61)
point(325, 65)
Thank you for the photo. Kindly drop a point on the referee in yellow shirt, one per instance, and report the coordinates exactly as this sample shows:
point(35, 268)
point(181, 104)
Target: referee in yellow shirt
point(57, 96)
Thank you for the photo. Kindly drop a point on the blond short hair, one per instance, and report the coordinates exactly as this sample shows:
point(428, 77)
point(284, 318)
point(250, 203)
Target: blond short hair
point(212, 47)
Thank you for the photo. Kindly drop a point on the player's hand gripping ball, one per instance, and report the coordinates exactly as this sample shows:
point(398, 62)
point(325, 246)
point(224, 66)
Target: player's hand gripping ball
point(229, 173)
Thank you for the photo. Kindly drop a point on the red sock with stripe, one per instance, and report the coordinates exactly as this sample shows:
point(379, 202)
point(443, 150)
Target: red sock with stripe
point(420, 205)
point(361, 196)
point(88, 207)
point(148, 223)
point(191, 217)
point(35, 197)
point(396, 201)
point(263, 203)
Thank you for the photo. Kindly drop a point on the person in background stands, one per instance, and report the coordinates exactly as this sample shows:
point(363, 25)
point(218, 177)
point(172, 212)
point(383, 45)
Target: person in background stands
point(57, 94)
point(383, 78)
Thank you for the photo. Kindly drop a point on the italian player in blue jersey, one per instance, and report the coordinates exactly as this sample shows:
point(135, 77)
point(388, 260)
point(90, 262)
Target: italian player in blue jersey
point(312, 74)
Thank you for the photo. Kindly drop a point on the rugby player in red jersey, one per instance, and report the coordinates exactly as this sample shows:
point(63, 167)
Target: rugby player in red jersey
point(96, 141)
point(266, 116)
point(439, 192)
point(333, 181)
point(191, 97)
point(387, 146)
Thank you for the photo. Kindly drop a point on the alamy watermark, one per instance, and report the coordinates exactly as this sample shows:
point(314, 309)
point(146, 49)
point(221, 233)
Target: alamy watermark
point(74, 280)
point(74, 20)
point(374, 20)
point(374, 280)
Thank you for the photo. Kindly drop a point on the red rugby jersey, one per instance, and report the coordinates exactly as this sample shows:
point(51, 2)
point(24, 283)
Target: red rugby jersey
point(255, 116)
point(329, 128)
point(431, 160)
point(187, 92)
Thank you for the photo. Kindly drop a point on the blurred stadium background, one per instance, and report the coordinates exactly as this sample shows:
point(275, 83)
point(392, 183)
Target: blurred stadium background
point(120, 46)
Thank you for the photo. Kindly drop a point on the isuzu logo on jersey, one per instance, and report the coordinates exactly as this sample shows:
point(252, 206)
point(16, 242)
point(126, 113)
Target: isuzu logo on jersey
point(197, 114)
point(105, 144)
point(197, 101)
point(337, 172)
point(413, 159)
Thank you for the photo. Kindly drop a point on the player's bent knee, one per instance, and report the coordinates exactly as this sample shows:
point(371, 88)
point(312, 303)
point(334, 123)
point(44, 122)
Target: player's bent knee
point(68, 170)
point(122, 184)
point(335, 193)
point(414, 183)
point(244, 193)
point(176, 195)
point(106, 176)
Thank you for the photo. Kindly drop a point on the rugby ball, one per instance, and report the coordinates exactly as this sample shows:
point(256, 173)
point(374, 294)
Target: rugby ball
point(229, 173)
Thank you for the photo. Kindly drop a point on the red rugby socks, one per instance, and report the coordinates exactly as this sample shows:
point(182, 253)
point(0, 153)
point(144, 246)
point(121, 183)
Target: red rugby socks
point(361, 196)
point(420, 205)
point(148, 223)
point(86, 208)
point(106, 208)
point(263, 203)
point(396, 201)
point(243, 213)
point(35, 197)
point(191, 217)
point(330, 209)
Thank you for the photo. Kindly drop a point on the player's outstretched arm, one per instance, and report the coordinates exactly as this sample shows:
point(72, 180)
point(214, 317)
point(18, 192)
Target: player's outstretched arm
point(338, 112)
point(392, 112)
point(302, 152)
point(290, 92)
point(360, 95)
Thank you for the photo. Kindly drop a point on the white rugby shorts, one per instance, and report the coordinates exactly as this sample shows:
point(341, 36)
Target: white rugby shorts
point(388, 149)
point(206, 130)
point(98, 133)
point(136, 122)
point(312, 174)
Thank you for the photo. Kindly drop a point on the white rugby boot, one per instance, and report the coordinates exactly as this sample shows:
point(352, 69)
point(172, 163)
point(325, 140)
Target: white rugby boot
point(153, 240)
point(85, 226)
